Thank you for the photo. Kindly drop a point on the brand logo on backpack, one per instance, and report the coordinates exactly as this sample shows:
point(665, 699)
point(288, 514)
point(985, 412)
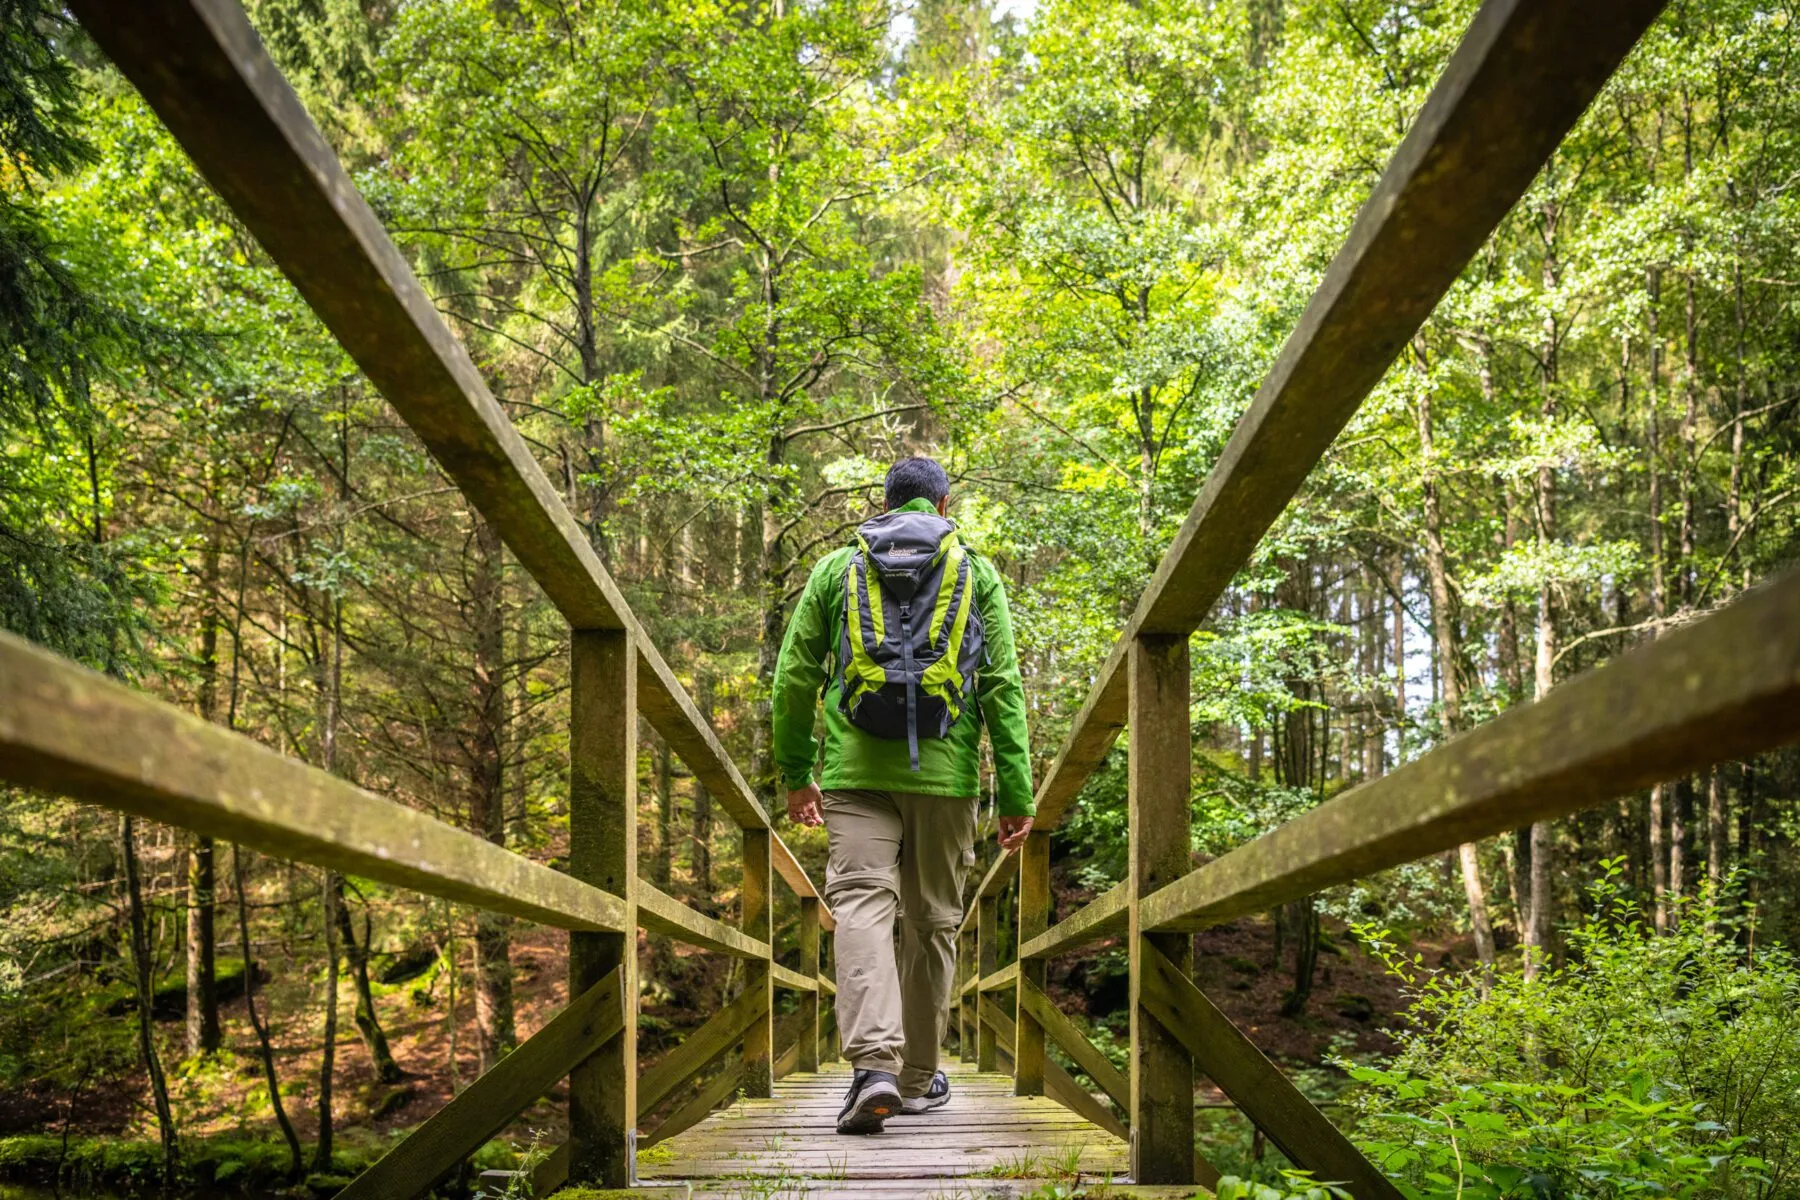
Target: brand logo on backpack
point(912, 637)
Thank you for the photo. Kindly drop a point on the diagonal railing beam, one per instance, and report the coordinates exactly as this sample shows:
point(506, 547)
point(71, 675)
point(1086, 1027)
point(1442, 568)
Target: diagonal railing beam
point(75, 732)
point(1260, 1090)
point(1524, 73)
point(1075, 1044)
point(723, 1030)
point(1726, 686)
point(462, 1126)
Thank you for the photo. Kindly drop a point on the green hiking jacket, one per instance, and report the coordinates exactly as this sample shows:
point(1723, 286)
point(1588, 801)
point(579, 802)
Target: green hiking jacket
point(857, 759)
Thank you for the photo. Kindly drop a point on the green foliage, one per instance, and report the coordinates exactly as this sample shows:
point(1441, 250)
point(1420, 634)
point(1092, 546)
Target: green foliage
point(1647, 1064)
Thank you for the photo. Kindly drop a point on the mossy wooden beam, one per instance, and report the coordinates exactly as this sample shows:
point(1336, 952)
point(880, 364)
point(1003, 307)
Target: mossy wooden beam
point(1000, 980)
point(1159, 773)
point(662, 913)
point(72, 731)
point(1521, 77)
point(1058, 1084)
point(1000, 873)
point(485, 1107)
point(1063, 1032)
point(717, 1090)
point(792, 980)
point(202, 69)
point(1260, 1090)
point(1724, 687)
point(987, 957)
point(809, 970)
point(1106, 915)
point(723, 1030)
point(757, 901)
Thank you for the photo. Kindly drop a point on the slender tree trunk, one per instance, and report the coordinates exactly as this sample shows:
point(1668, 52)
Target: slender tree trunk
point(1717, 822)
point(1447, 653)
point(701, 852)
point(494, 1020)
point(265, 1051)
point(202, 977)
point(140, 974)
point(322, 1151)
point(1656, 818)
point(1539, 931)
point(368, 1023)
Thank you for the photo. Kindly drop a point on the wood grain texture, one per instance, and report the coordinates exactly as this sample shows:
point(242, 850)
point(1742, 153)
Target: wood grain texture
point(1058, 1084)
point(1522, 75)
point(809, 970)
point(159, 762)
point(662, 913)
point(1159, 783)
point(1063, 1032)
point(1726, 686)
point(603, 726)
point(1034, 917)
point(1106, 915)
point(701, 1048)
point(757, 921)
point(486, 1106)
point(1261, 1091)
point(987, 950)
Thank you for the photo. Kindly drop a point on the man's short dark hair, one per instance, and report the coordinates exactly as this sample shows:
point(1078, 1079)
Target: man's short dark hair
point(916, 479)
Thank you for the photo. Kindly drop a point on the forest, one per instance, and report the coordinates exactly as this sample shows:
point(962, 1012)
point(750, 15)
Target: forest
point(722, 262)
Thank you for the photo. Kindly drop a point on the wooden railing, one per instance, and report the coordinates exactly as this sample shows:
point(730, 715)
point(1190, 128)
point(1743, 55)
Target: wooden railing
point(1725, 686)
point(68, 730)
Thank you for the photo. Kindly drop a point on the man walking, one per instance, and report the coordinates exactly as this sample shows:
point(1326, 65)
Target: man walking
point(906, 636)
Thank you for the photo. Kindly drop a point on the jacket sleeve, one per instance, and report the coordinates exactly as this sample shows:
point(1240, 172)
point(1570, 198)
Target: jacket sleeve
point(799, 677)
point(1002, 696)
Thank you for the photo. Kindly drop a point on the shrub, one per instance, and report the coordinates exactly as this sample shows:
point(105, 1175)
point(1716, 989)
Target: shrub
point(1661, 1065)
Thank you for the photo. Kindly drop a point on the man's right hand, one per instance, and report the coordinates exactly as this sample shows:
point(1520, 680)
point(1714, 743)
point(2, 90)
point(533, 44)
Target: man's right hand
point(806, 805)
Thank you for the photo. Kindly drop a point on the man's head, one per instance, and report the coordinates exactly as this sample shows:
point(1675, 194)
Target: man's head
point(917, 479)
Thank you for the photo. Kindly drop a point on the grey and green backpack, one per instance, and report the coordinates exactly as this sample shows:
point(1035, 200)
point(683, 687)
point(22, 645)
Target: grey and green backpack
point(912, 639)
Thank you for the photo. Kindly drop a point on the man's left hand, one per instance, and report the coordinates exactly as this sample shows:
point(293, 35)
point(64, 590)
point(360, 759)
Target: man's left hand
point(1011, 832)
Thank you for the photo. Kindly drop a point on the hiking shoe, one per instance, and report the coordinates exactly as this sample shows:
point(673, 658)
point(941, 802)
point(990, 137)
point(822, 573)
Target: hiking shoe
point(936, 1096)
point(874, 1097)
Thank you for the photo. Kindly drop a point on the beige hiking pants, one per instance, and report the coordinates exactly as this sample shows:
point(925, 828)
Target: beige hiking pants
point(906, 855)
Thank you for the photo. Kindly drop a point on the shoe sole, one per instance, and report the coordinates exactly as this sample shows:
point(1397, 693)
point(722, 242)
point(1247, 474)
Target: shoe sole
point(871, 1111)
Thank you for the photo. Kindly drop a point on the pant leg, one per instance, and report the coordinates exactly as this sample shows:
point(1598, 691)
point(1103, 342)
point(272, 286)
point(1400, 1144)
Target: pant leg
point(862, 885)
point(938, 848)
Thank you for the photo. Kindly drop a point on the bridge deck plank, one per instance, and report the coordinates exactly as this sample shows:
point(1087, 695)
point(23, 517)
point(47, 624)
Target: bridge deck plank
point(985, 1142)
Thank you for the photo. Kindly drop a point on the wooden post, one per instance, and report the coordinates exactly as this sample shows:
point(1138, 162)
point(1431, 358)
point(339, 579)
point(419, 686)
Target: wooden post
point(1162, 1072)
point(987, 960)
point(809, 1001)
point(603, 852)
point(1034, 918)
point(759, 1039)
point(966, 1019)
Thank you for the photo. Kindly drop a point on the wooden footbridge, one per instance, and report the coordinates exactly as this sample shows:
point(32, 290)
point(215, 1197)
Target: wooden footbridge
point(1724, 686)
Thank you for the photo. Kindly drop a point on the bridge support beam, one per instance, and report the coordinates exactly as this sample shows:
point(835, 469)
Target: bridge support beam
point(987, 961)
point(603, 852)
point(1034, 919)
point(809, 1001)
point(757, 921)
point(1162, 1071)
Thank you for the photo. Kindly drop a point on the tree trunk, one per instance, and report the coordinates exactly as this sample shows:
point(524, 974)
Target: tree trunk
point(1539, 931)
point(202, 978)
point(1716, 821)
point(701, 852)
point(1656, 818)
point(368, 1024)
point(146, 992)
point(1446, 644)
point(496, 1029)
point(328, 1049)
point(265, 1052)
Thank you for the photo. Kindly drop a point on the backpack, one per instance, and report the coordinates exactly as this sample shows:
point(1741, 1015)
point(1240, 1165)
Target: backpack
point(912, 639)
